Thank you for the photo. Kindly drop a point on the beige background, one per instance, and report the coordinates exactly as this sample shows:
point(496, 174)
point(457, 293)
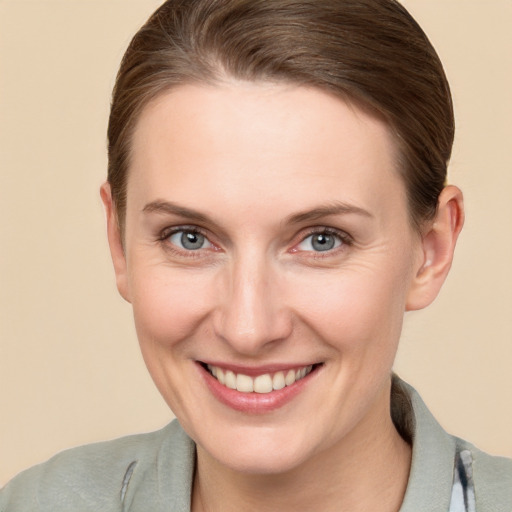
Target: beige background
point(70, 372)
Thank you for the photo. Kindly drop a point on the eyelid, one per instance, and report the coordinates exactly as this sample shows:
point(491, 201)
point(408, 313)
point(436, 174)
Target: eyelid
point(166, 233)
point(178, 239)
point(343, 236)
point(171, 230)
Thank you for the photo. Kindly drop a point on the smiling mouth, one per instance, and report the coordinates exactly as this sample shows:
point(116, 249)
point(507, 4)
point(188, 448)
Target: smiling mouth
point(263, 384)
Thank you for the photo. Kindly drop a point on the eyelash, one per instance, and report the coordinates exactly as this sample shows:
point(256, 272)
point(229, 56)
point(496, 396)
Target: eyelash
point(345, 241)
point(344, 238)
point(166, 234)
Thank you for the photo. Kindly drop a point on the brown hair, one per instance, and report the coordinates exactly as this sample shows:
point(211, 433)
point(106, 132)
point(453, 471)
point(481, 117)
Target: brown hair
point(368, 51)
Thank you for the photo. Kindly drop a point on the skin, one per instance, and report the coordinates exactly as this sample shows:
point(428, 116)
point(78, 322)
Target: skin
point(244, 159)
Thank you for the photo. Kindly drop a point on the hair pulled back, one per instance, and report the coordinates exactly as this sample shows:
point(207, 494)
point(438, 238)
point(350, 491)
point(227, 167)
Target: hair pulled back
point(368, 51)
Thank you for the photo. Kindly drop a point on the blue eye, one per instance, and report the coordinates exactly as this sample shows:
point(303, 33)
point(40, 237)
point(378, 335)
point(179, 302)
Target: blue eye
point(320, 242)
point(189, 240)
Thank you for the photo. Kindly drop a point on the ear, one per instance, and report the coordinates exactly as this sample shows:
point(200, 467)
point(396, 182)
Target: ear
point(437, 248)
point(115, 242)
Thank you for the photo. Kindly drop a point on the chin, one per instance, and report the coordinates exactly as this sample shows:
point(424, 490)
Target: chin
point(259, 461)
point(262, 450)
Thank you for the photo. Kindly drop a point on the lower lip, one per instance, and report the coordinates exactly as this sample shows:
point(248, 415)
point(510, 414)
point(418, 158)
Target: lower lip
point(254, 403)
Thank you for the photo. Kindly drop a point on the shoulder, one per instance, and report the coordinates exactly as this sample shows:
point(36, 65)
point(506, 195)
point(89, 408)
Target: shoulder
point(446, 471)
point(101, 476)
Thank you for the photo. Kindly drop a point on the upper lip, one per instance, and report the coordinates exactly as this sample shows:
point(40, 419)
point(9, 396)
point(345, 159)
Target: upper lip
point(253, 371)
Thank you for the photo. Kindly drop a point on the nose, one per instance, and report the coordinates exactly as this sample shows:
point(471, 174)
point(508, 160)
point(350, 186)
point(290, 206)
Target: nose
point(252, 314)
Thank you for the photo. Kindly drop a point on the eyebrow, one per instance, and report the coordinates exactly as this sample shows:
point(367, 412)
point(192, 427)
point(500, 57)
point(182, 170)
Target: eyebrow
point(168, 207)
point(335, 208)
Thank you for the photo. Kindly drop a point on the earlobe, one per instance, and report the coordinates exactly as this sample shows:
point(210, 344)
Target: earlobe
point(115, 242)
point(437, 249)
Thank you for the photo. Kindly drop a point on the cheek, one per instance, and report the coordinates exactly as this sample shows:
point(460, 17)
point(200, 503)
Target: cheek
point(356, 308)
point(168, 305)
point(169, 309)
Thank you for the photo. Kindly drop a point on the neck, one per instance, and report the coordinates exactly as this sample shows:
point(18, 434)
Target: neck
point(367, 470)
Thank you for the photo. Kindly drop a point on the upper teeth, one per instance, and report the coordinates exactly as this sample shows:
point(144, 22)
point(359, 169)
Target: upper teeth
point(262, 383)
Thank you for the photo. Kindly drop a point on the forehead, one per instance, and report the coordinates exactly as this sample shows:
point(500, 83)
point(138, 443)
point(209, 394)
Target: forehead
point(239, 143)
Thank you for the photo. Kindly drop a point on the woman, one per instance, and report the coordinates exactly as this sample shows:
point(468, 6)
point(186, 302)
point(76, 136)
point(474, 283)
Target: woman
point(275, 202)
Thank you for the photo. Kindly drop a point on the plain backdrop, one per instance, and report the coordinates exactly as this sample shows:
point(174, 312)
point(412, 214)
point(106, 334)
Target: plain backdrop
point(70, 369)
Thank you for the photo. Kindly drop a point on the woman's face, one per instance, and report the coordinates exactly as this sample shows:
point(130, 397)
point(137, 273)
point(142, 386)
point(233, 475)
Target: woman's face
point(267, 236)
